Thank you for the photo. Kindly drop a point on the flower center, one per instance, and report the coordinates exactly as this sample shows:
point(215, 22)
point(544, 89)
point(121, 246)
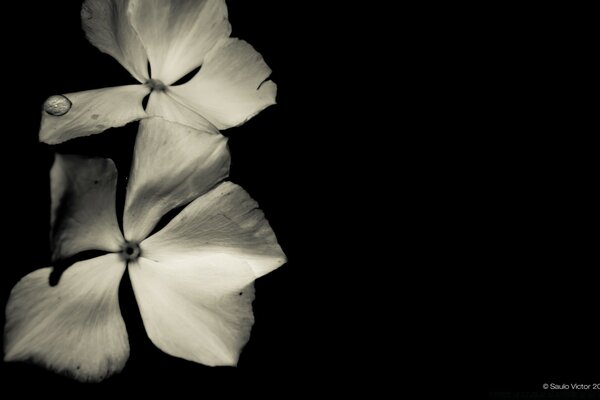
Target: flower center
point(155, 84)
point(130, 251)
point(57, 105)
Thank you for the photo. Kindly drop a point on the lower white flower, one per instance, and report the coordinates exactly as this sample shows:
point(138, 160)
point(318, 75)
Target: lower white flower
point(193, 279)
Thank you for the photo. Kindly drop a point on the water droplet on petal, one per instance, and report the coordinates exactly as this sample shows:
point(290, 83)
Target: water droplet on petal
point(57, 105)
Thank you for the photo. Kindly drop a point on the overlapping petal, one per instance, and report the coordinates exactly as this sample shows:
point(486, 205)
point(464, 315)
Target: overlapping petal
point(223, 221)
point(161, 104)
point(83, 215)
point(107, 26)
point(94, 111)
point(177, 34)
point(173, 164)
point(230, 88)
point(73, 328)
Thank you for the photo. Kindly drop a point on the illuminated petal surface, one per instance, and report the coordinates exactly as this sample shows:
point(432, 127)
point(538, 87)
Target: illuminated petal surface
point(106, 25)
point(178, 33)
point(173, 164)
point(230, 87)
point(74, 328)
point(193, 282)
point(223, 221)
point(94, 111)
point(83, 213)
point(162, 104)
point(200, 310)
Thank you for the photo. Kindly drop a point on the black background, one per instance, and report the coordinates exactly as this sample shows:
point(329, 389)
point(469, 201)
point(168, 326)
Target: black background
point(534, 202)
point(285, 158)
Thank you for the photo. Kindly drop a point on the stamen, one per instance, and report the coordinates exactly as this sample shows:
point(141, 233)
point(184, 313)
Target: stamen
point(155, 84)
point(130, 251)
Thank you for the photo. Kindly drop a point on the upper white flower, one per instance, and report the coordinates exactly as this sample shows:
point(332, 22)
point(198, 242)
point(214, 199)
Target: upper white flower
point(173, 37)
point(192, 279)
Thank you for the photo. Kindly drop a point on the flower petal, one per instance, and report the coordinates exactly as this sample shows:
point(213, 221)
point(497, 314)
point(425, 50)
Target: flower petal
point(94, 111)
point(106, 25)
point(162, 105)
point(74, 328)
point(178, 33)
point(223, 221)
point(193, 282)
point(200, 311)
point(230, 88)
point(172, 165)
point(83, 215)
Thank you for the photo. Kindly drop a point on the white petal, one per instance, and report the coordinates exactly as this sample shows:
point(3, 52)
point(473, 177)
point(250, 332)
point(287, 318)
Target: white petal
point(106, 24)
point(230, 87)
point(193, 282)
point(83, 215)
point(73, 328)
point(162, 105)
point(94, 111)
point(200, 311)
point(172, 165)
point(224, 221)
point(178, 33)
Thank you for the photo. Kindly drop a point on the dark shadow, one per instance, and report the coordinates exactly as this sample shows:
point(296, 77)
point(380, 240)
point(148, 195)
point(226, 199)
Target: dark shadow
point(187, 77)
point(145, 100)
point(61, 266)
point(166, 219)
point(114, 143)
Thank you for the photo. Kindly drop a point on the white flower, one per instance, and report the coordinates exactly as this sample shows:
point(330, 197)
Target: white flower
point(173, 37)
point(193, 279)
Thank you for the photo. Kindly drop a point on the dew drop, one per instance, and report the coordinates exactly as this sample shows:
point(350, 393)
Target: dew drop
point(57, 105)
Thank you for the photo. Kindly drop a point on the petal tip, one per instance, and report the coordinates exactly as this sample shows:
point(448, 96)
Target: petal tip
point(9, 356)
point(282, 260)
point(46, 136)
point(230, 359)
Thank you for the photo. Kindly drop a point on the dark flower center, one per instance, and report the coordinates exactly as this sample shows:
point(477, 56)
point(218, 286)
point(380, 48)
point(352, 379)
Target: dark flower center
point(130, 251)
point(155, 84)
